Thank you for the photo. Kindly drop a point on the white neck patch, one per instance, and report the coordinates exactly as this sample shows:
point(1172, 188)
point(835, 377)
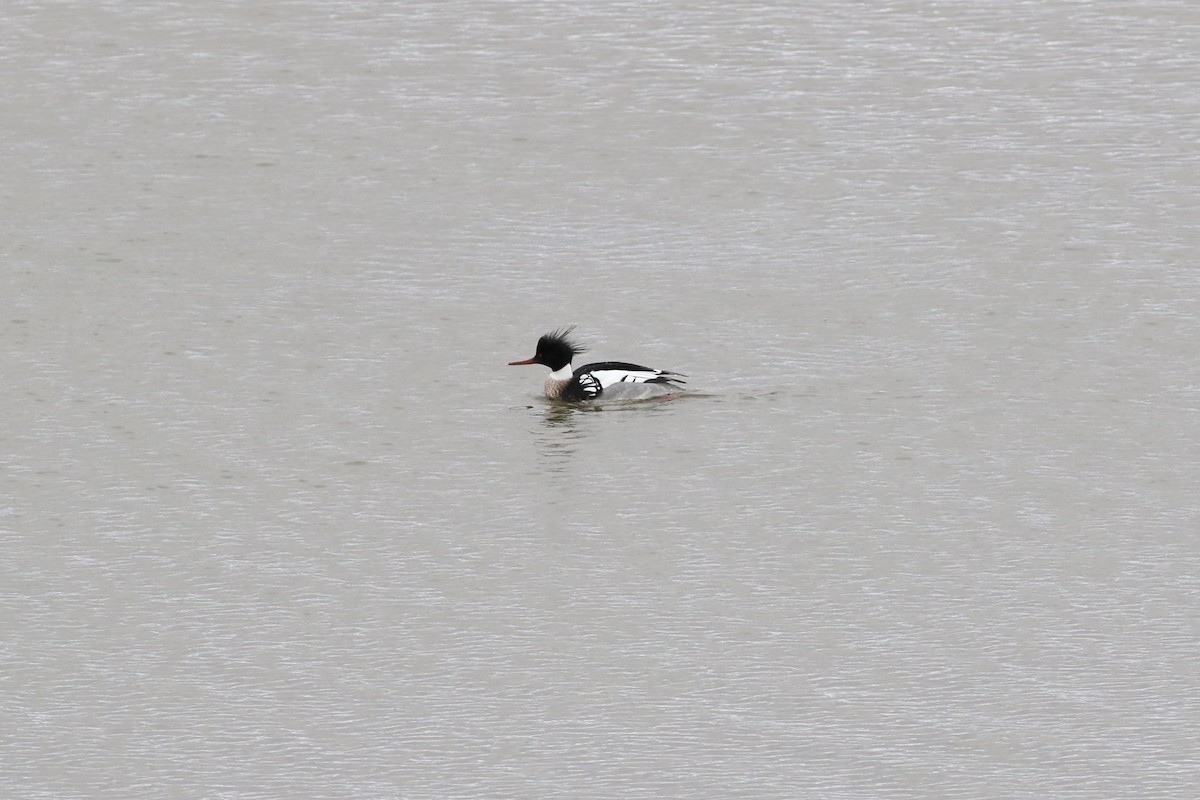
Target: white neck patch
point(563, 374)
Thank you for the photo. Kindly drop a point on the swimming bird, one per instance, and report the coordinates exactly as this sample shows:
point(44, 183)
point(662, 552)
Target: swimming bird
point(608, 379)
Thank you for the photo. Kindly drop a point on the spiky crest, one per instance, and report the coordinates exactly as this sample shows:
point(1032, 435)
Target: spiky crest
point(557, 348)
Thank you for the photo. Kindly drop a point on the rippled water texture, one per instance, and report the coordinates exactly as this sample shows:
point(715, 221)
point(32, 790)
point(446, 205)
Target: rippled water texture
point(279, 522)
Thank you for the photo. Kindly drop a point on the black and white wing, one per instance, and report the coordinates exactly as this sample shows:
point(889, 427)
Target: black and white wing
point(590, 385)
point(595, 378)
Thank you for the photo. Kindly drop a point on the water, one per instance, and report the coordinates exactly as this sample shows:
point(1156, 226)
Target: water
point(278, 522)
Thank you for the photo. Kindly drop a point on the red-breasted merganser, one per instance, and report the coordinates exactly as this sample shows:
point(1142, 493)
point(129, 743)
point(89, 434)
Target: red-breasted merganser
point(609, 379)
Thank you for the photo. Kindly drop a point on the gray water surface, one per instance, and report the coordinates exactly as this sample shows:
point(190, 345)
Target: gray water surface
point(278, 522)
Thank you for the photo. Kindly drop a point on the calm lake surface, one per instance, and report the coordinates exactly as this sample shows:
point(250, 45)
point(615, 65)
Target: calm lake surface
point(278, 522)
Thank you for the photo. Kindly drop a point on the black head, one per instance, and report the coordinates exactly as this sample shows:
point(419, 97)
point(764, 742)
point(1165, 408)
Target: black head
point(554, 350)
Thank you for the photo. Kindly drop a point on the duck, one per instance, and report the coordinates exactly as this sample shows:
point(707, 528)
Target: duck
point(604, 379)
